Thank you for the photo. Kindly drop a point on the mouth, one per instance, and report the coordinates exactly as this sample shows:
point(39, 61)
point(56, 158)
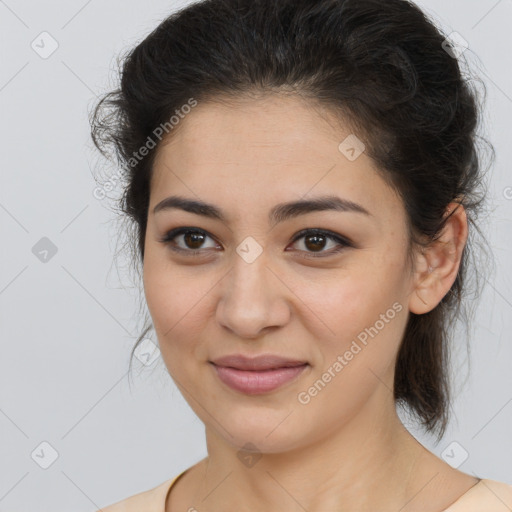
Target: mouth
point(258, 375)
point(262, 362)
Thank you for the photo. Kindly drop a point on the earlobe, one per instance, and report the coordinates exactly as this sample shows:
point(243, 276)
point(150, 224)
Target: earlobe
point(438, 264)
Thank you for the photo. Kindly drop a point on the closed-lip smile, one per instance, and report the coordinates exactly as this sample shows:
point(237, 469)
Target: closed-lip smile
point(257, 375)
point(262, 362)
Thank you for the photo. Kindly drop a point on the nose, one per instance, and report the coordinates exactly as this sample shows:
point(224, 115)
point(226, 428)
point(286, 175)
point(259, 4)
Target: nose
point(253, 299)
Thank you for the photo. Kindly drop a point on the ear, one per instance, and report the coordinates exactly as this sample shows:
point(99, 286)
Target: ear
point(437, 265)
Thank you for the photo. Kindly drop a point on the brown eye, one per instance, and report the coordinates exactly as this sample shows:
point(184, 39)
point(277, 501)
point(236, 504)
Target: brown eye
point(193, 240)
point(315, 240)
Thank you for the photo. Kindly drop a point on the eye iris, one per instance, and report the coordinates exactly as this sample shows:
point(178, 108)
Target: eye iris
point(316, 245)
point(193, 237)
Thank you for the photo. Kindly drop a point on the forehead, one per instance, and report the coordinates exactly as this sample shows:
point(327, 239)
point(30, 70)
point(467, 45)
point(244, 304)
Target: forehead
point(272, 149)
point(274, 125)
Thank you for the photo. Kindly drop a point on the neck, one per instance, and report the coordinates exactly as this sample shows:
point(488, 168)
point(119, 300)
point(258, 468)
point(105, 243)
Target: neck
point(366, 463)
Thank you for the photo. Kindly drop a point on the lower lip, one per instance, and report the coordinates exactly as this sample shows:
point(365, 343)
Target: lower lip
point(257, 382)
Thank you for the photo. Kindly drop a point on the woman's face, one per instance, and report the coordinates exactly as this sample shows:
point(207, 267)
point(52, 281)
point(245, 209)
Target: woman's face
point(250, 285)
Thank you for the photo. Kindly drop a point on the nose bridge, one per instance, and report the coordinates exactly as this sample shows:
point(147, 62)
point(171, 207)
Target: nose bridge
point(248, 301)
point(248, 278)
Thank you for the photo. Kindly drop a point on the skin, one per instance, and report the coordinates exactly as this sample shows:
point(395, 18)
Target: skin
point(346, 449)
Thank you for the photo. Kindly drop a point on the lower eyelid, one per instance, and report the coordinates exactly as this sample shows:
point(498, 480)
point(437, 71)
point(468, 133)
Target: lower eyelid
point(336, 240)
point(170, 237)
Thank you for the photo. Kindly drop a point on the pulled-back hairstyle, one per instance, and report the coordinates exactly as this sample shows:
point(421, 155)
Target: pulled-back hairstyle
point(383, 67)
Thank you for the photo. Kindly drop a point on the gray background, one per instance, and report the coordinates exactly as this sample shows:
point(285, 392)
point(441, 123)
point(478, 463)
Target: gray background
point(68, 324)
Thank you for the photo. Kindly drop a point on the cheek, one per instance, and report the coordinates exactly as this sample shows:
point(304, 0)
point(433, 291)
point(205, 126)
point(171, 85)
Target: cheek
point(170, 295)
point(157, 291)
point(361, 313)
point(178, 305)
point(351, 301)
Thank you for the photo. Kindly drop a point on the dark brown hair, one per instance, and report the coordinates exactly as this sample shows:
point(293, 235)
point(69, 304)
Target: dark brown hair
point(384, 67)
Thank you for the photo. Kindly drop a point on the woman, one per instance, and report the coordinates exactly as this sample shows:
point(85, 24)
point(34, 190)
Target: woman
point(301, 176)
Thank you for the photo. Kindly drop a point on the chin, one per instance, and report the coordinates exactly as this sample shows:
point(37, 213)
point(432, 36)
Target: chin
point(261, 430)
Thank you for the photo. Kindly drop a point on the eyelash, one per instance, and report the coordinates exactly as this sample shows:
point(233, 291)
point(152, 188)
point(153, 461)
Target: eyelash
point(344, 242)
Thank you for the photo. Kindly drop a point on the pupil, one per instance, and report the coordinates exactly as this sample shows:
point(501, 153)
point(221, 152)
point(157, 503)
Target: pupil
point(195, 237)
point(316, 238)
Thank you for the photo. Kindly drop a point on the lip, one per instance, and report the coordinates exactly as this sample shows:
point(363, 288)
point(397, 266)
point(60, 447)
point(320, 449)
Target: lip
point(262, 362)
point(257, 375)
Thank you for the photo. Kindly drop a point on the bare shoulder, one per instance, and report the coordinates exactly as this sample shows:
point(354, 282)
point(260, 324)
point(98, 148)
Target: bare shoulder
point(496, 495)
point(489, 495)
point(151, 500)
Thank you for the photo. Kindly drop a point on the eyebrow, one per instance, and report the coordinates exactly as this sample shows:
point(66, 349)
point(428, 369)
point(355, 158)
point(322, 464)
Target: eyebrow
point(279, 213)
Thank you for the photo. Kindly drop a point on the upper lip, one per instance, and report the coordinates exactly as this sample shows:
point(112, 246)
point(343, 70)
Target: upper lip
point(262, 362)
